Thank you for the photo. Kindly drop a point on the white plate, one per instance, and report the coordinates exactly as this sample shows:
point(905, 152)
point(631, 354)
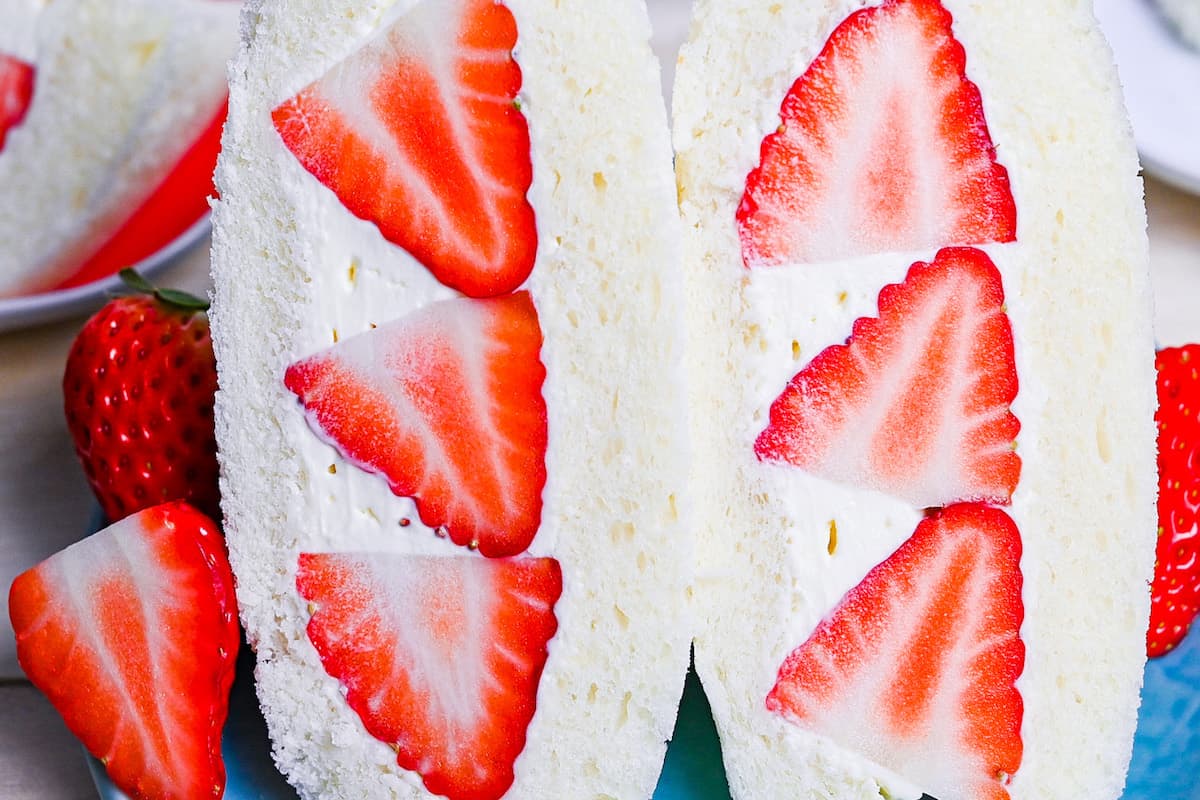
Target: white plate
point(1161, 77)
point(23, 312)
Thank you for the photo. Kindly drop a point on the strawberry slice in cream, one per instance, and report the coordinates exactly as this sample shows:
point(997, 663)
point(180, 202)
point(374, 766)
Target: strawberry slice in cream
point(447, 406)
point(420, 132)
point(441, 656)
point(882, 145)
point(916, 403)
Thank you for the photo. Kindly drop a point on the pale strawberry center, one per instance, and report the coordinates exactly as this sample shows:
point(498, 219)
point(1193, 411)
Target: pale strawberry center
point(423, 64)
point(909, 672)
point(882, 147)
point(451, 606)
point(135, 602)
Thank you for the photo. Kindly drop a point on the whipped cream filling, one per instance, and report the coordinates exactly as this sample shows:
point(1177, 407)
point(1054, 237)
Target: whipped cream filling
point(121, 90)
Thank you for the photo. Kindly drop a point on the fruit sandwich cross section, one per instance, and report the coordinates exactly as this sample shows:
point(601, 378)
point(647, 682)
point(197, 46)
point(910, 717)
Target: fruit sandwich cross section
point(420, 132)
point(915, 667)
point(117, 221)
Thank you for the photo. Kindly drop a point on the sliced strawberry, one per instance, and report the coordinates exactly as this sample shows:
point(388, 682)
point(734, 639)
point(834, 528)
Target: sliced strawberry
point(132, 635)
point(419, 132)
point(447, 404)
point(882, 147)
point(915, 668)
point(16, 92)
point(440, 657)
point(1175, 592)
point(177, 203)
point(916, 403)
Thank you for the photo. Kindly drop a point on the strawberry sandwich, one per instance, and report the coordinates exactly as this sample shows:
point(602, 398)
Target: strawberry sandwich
point(447, 318)
point(110, 119)
point(921, 376)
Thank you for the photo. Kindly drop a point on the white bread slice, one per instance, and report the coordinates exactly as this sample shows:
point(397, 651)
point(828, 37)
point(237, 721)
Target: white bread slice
point(607, 290)
point(121, 89)
point(1076, 282)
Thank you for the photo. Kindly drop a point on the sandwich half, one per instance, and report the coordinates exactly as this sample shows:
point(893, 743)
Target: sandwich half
point(110, 119)
point(448, 324)
point(921, 381)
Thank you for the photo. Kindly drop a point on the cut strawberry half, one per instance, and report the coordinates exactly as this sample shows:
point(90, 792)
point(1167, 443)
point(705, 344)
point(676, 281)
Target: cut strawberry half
point(440, 657)
point(916, 403)
point(16, 92)
point(916, 667)
point(882, 147)
point(419, 132)
point(447, 405)
point(132, 635)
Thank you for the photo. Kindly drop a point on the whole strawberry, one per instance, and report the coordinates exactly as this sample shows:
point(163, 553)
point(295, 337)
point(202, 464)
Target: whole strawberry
point(1175, 592)
point(138, 389)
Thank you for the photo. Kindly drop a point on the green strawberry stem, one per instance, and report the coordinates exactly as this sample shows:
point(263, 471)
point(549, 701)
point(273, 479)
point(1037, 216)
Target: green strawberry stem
point(172, 297)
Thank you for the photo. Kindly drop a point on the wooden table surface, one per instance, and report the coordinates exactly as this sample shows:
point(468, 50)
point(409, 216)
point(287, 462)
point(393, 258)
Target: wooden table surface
point(45, 503)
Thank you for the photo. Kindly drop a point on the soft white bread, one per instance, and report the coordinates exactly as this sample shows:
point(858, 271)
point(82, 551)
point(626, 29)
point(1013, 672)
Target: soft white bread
point(121, 90)
point(606, 287)
point(1076, 287)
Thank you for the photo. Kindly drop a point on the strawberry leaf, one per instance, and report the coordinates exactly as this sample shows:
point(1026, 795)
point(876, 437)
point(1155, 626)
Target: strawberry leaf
point(174, 298)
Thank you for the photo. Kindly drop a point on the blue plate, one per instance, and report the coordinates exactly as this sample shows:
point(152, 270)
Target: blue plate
point(1166, 753)
point(1166, 748)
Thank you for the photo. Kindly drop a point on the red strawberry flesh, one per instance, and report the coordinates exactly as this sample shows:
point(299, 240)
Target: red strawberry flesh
point(447, 405)
point(419, 132)
point(916, 667)
point(16, 92)
point(882, 147)
point(1175, 590)
point(132, 635)
point(916, 403)
point(440, 657)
